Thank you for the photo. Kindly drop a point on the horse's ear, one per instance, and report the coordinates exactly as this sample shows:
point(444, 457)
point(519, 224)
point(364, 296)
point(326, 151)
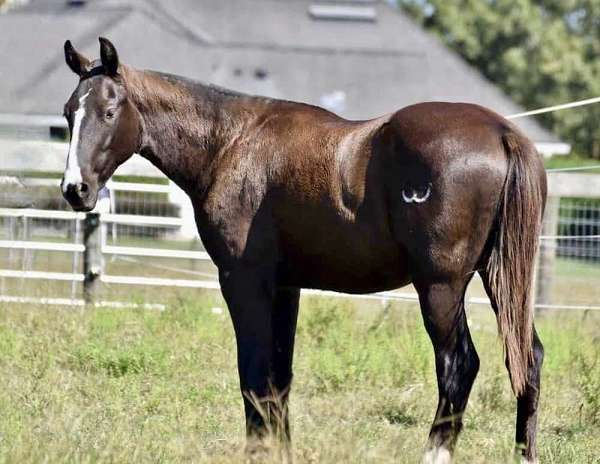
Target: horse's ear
point(109, 56)
point(75, 61)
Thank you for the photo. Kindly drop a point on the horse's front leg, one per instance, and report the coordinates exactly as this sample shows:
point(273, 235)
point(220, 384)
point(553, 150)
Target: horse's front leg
point(252, 298)
point(285, 315)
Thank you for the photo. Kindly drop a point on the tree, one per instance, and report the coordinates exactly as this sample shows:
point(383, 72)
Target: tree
point(540, 52)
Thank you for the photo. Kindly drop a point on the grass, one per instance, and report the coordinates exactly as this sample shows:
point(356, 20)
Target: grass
point(139, 386)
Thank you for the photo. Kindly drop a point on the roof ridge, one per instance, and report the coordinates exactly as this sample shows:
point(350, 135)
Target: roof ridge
point(324, 50)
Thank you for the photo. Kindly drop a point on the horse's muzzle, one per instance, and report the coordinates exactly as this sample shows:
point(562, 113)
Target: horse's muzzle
point(79, 196)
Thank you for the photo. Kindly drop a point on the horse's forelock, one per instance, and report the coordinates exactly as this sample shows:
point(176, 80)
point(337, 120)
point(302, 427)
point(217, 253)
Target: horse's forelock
point(94, 68)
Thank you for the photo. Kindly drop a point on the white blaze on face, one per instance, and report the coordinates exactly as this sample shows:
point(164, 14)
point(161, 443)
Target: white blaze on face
point(73, 171)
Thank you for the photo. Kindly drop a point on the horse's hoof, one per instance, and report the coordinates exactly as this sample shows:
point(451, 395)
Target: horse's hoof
point(439, 455)
point(267, 449)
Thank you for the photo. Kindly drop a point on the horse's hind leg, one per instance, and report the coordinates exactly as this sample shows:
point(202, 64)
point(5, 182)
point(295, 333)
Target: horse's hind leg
point(527, 405)
point(527, 402)
point(456, 361)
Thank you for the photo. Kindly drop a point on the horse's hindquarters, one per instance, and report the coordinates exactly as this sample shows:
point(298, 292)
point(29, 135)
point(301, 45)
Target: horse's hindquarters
point(444, 182)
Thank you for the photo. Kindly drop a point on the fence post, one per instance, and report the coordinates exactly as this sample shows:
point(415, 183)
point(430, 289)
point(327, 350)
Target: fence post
point(92, 256)
point(75, 261)
point(547, 253)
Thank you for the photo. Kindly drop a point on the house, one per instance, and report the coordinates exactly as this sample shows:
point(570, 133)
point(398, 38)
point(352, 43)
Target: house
point(360, 59)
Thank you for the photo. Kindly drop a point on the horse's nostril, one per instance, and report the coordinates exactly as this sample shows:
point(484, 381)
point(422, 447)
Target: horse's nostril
point(76, 192)
point(71, 189)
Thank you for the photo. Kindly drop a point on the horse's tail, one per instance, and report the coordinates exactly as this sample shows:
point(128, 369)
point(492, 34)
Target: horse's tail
point(510, 267)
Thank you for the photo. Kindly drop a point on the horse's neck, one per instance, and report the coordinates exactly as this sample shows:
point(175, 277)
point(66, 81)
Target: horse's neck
point(184, 126)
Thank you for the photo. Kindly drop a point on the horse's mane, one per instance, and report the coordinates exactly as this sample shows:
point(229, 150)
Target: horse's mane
point(154, 86)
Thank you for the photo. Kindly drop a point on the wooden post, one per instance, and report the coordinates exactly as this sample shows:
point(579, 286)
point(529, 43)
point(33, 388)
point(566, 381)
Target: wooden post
point(28, 255)
point(547, 253)
point(26, 258)
point(92, 256)
point(12, 235)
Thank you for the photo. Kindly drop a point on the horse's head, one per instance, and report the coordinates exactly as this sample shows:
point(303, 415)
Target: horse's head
point(105, 126)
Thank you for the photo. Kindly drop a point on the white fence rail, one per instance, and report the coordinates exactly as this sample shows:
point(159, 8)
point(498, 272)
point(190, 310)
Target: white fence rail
point(25, 154)
point(145, 252)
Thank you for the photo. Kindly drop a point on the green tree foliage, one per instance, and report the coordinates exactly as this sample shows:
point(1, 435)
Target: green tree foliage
point(540, 52)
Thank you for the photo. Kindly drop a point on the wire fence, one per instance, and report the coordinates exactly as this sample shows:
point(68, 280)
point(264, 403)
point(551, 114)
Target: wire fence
point(579, 229)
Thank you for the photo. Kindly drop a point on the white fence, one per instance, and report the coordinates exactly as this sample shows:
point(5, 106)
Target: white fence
point(569, 254)
point(20, 224)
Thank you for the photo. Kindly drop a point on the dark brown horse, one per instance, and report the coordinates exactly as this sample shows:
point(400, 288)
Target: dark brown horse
point(288, 195)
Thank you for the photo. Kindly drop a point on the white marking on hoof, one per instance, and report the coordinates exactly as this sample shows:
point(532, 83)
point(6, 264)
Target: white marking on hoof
point(437, 456)
point(73, 171)
point(414, 197)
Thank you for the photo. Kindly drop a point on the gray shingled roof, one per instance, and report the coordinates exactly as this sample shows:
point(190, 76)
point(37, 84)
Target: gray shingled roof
point(268, 47)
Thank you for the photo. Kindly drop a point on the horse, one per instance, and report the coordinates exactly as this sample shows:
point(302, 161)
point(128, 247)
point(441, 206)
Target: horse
point(289, 196)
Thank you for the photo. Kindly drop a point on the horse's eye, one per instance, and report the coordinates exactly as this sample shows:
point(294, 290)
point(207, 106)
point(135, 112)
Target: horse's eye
point(110, 114)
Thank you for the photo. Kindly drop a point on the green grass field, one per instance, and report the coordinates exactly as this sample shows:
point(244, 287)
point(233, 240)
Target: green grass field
point(148, 386)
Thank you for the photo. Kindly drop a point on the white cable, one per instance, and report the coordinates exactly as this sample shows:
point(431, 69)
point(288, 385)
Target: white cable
point(578, 168)
point(167, 268)
point(78, 302)
point(548, 109)
point(569, 237)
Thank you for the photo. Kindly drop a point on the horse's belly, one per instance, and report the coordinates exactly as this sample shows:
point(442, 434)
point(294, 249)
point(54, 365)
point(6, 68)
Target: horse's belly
point(346, 267)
